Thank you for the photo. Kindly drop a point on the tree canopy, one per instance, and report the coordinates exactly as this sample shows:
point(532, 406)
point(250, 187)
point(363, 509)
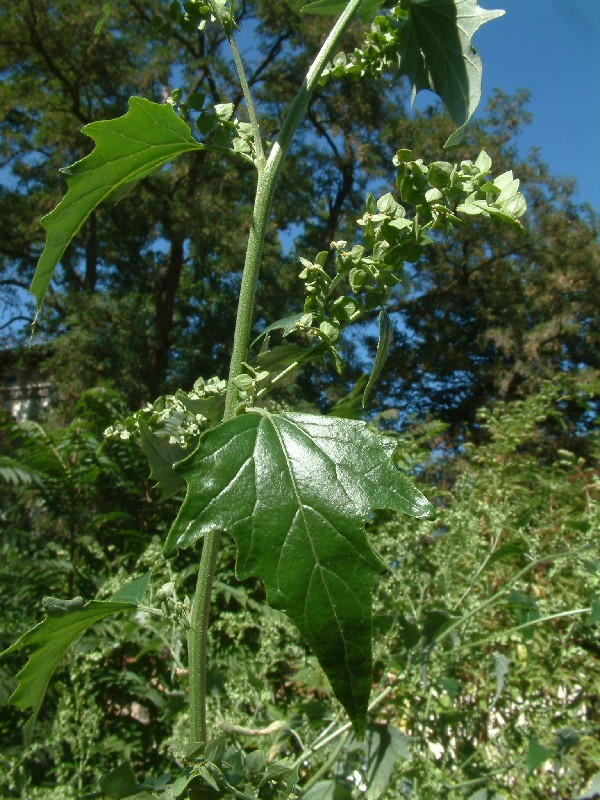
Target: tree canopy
point(149, 286)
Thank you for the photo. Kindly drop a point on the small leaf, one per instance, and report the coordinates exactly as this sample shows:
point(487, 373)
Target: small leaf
point(224, 111)
point(384, 744)
point(501, 664)
point(294, 491)
point(162, 456)
point(386, 336)
point(53, 636)
point(537, 754)
point(127, 149)
point(288, 324)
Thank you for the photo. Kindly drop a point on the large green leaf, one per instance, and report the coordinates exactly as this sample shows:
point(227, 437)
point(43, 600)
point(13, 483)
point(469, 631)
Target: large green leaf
point(437, 54)
point(53, 636)
point(295, 490)
point(127, 149)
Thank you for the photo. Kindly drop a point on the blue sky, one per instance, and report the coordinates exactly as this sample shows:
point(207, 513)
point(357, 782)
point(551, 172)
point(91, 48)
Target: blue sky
point(552, 48)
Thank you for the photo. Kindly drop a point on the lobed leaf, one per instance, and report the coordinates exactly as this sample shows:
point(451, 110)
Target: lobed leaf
point(127, 149)
point(295, 490)
point(437, 54)
point(52, 637)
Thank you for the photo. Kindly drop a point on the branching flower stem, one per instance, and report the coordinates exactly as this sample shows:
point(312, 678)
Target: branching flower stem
point(239, 65)
point(504, 590)
point(265, 188)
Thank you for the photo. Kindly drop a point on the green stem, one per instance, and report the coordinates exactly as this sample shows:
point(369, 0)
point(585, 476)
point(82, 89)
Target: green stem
point(198, 636)
point(239, 65)
point(501, 592)
point(262, 204)
point(573, 612)
point(324, 768)
point(267, 177)
point(322, 741)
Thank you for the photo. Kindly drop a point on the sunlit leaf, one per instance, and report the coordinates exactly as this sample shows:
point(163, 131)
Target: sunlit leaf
point(127, 149)
point(52, 637)
point(592, 790)
point(295, 490)
point(501, 669)
point(537, 754)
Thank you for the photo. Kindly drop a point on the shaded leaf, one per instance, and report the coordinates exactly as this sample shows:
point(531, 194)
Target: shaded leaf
point(120, 782)
point(53, 636)
point(595, 612)
point(329, 790)
point(294, 490)
point(437, 54)
point(127, 149)
point(161, 457)
point(16, 473)
point(384, 745)
point(386, 336)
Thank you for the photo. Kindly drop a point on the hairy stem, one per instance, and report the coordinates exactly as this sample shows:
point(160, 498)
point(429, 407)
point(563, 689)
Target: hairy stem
point(264, 197)
point(197, 638)
point(267, 177)
point(239, 65)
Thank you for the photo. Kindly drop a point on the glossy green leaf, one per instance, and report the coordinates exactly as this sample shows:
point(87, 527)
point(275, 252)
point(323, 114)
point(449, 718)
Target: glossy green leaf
point(437, 54)
point(51, 639)
point(294, 490)
point(127, 149)
point(386, 336)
